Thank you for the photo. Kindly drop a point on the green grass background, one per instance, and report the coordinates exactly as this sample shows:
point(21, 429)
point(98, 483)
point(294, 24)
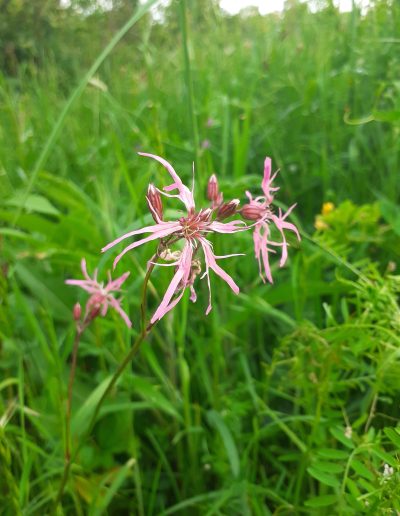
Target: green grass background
point(285, 399)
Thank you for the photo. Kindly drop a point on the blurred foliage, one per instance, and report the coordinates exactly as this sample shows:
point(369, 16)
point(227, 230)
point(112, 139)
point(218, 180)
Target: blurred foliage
point(32, 32)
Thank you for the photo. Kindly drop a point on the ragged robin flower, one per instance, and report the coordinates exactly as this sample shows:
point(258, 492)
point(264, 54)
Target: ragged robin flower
point(101, 297)
point(193, 228)
point(261, 211)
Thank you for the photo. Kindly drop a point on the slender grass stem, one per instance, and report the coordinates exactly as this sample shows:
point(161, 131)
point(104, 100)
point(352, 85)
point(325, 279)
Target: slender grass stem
point(189, 82)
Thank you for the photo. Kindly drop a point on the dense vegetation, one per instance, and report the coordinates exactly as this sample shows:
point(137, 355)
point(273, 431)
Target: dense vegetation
point(283, 400)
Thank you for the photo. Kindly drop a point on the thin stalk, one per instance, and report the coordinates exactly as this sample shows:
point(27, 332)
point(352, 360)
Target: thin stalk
point(189, 80)
point(77, 340)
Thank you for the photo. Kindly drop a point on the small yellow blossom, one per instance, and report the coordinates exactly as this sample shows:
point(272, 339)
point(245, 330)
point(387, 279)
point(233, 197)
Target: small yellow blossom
point(319, 224)
point(327, 207)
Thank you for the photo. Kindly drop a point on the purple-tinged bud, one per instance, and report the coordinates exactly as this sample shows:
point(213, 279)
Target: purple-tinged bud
point(77, 312)
point(213, 193)
point(252, 211)
point(204, 214)
point(154, 203)
point(212, 188)
point(227, 209)
point(94, 312)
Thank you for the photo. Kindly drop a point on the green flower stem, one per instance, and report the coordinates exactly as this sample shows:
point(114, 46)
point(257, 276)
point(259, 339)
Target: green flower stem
point(77, 340)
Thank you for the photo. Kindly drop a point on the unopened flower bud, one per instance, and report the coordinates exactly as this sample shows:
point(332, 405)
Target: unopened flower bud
point(227, 209)
point(252, 211)
point(213, 193)
point(155, 203)
point(77, 312)
point(94, 312)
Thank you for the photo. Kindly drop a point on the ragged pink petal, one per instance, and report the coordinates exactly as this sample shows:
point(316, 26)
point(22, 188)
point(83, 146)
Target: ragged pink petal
point(185, 195)
point(148, 229)
point(181, 275)
point(116, 284)
point(156, 235)
point(267, 174)
point(117, 306)
point(90, 287)
point(228, 227)
point(193, 295)
point(211, 261)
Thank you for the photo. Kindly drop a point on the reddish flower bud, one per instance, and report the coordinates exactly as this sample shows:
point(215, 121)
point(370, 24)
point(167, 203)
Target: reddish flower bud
point(154, 203)
point(227, 209)
point(94, 312)
point(252, 211)
point(213, 193)
point(77, 312)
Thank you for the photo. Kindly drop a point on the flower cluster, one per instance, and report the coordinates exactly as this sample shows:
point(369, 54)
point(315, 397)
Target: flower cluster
point(193, 230)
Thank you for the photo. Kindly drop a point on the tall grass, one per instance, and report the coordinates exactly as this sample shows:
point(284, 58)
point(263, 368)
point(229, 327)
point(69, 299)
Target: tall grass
point(283, 400)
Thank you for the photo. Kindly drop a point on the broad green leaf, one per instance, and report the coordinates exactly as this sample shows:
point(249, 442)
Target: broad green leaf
point(328, 467)
point(323, 477)
point(338, 433)
point(393, 435)
point(386, 457)
point(362, 470)
point(81, 420)
point(321, 501)
point(332, 453)
point(36, 203)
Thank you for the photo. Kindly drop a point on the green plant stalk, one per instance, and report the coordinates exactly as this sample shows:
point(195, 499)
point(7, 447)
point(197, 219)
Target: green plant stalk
point(189, 83)
point(41, 160)
point(69, 398)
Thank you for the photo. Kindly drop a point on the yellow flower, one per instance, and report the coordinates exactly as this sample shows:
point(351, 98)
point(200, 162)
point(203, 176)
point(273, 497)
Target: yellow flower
point(319, 224)
point(327, 207)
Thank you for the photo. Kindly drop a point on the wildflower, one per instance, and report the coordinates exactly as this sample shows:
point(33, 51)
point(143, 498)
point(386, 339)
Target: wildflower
point(101, 297)
point(387, 471)
point(192, 228)
point(319, 223)
point(261, 211)
point(327, 208)
point(348, 432)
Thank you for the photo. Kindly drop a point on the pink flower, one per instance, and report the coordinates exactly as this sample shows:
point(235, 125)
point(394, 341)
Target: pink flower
point(100, 296)
point(260, 210)
point(193, 229)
